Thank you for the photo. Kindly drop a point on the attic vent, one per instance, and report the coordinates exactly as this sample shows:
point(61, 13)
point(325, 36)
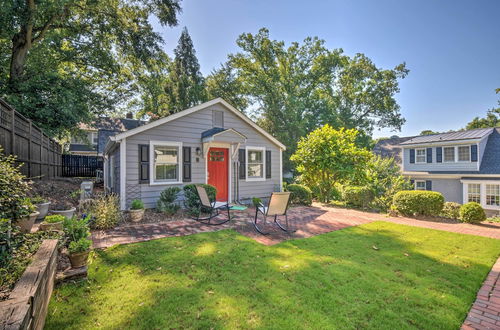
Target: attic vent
point(218, 118)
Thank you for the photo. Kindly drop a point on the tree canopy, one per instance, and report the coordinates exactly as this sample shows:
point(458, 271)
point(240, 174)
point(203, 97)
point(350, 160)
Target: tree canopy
point(492, 119)
point(63, 61)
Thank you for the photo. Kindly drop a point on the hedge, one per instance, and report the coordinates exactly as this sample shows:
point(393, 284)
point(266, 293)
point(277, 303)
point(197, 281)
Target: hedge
point(451, 210)
point(301, 195)
point(192, 200)
point(418, 202)
point(358, 196)
point(472, 212)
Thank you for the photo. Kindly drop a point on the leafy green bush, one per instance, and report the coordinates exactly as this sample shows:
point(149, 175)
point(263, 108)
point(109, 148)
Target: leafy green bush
point(136, 204)
point(357, 196)
point(76, 229)
point(54, 218)
point(191, 199)
point(472, 212)
point(451, 210)
point(418, 202)
point(105, 211)
point(166, 202)
point(13, 189)
point(82, 245)
point(38, 200)
point(300, 195)
point(256, 201)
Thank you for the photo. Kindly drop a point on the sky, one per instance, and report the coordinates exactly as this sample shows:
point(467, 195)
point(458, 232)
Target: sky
point(452, 48)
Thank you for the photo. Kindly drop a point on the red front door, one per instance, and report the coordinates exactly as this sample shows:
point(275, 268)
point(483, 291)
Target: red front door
point(217, 171)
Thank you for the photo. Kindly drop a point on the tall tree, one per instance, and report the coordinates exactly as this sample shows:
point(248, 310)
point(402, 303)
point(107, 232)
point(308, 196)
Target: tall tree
point(224, 83)
point(185, 85)
point(298, 88)
point(62, 61)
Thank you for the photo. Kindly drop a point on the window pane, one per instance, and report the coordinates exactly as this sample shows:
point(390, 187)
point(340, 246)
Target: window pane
point(474, 194)
point(420, 185)
point(464, 153)
point(255, 156)
point(166, 172)
point(255, 170)
point(165, 154)
point(493, 194)
point(421, 156)
point(449, 154)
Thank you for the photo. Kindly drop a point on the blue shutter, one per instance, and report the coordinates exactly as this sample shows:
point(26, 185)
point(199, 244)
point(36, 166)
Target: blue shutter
point(429, 155)
point(439, 155)
point(473, 152)
point(412, 156)
point(428, 185)
point(268, 164)
point(412, 183)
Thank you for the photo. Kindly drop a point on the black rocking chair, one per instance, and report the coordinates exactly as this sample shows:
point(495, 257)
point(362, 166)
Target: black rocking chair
point(213, 207)
point(277, 206)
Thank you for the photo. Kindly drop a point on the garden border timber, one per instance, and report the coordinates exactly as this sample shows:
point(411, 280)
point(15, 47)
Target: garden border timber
point(28, 302)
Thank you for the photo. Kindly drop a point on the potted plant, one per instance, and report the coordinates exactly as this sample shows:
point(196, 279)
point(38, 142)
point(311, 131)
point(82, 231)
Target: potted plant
point(79, 252)
point(42, 206)
point(52, 222)
point(26, 216)
point(136, 210)
point(63, 208)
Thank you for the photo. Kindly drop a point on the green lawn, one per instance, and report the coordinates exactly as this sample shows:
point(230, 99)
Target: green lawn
point(379, 275)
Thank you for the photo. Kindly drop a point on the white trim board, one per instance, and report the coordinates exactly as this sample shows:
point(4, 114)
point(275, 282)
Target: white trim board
point(123, 174)
point(186, 112)
point(263, 149)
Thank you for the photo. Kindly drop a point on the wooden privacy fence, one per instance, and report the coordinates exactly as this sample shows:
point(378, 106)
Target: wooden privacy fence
point(81, 166)
point(39, 154)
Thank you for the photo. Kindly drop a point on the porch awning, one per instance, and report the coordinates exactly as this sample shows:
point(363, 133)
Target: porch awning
point(224, 135)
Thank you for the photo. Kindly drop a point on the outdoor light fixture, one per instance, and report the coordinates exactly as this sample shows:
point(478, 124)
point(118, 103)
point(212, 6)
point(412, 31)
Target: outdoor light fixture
point(198, 151)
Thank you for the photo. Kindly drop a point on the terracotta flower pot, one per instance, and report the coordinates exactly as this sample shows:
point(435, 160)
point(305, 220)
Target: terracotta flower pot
point(45, 226)
point(79, 259)
point(26, 222)
point(43, 208)
point(67, 213)
point(136, 215)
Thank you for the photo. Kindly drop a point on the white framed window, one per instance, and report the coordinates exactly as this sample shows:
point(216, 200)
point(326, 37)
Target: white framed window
point(449, 154)
point(463, 153)
point(474, 192)
point(256, 160)
point(493, 194)
point(165, 162)
point(420, 185)
point(420, 155)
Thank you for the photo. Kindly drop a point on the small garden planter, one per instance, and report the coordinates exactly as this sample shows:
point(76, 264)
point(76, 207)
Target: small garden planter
point(67, 213)
point(43, 209)
point(136, 210)
point(52, 222)
point(79, 259)
point(26, 222)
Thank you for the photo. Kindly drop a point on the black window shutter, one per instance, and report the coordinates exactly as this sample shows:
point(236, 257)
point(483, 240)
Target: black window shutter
point(143, 163)
point(186, 164)
point(428, 185)
point(473, 152)
point(412, 182)
point(439, 154)
point(412, 156)
point(429, 155)
point(268, 164)
point(241, 159)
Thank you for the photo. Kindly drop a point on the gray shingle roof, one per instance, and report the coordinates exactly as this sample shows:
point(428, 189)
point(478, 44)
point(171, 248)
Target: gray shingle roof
point(211, 132)
point(490, 163)
point(103, 137)
point(113, 124)
point(451, 136)
point(390, 147)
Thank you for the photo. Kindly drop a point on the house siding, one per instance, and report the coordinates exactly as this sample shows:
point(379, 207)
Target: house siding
point(188, 130)
point(450, 188)
point(434, 166)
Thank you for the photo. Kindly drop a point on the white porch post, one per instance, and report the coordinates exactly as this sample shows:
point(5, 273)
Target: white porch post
point(123, 174)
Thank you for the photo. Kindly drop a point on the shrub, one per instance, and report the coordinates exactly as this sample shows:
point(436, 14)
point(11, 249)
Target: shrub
point(54, 218)
point(192, 201)
point(472, 212)
point(357, 196)
point(38, 200)
point(300, 195)
point(82, 245)
point(104, 210)
point(256, 201)
point(76, 229)
point(13, 188)
point(166, 202)
point(451, 210)
point(136, 204)
point(418, 202)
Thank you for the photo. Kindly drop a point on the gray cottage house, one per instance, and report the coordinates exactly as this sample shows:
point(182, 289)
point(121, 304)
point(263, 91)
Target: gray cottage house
point(210, 143)
point(464, 166)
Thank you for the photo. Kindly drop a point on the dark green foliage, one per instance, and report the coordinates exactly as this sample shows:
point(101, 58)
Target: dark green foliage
point(166, 202)
point(136, 204)
point(76, 229)
point(300, 194)
point(358, 196)
point(451, 210)
point(472, 212)
point(104, 210)
point(82, 245)
point(13, 189)
point(191, 199)
point(418, 202)
point(492, 119)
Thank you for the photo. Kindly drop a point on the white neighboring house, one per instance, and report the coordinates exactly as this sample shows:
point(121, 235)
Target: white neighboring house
point(464, 166)
point(210, 143)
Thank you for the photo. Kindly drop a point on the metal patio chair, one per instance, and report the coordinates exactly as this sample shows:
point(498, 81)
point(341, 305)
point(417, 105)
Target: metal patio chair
point(277, 206)
point(213, 207)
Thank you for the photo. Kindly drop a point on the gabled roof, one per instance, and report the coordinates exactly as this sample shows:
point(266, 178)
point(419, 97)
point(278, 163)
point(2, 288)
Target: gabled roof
point(112, 124)
point(390, 147)
point(194, 109)
point(211, 132)
point(474, 134)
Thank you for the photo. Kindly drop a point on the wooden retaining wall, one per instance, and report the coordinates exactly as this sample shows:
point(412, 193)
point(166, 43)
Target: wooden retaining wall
point(27, 305)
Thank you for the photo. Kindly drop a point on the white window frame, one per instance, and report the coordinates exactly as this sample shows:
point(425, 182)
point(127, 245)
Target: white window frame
point(152, 145)
point(420, 181)
point(454, 154)
point(483, 184)
point(251, 148)
point(486, 193)
point(92, 136)
point(457, 154)
point(469, 193)
point(416, 156)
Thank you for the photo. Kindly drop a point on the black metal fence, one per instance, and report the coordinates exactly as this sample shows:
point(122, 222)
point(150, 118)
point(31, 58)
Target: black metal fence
point(81, 166)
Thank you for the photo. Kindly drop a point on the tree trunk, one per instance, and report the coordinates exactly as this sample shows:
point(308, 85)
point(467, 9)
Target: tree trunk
point(21, 44)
